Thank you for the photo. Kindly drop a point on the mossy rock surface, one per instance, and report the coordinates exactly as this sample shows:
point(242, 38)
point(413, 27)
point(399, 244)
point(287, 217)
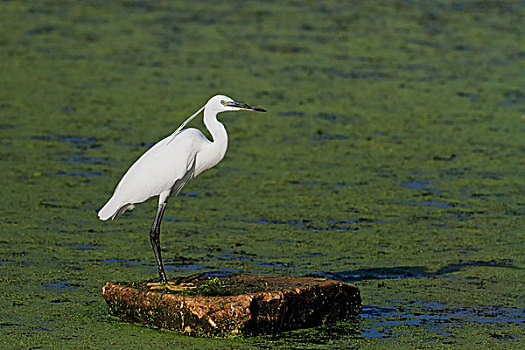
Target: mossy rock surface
point(235, 304)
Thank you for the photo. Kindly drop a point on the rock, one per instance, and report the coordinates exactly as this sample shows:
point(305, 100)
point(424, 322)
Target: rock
point(235, 304)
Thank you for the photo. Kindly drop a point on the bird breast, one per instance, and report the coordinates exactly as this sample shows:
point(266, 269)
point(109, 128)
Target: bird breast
point(197, 148)
point(208, 156)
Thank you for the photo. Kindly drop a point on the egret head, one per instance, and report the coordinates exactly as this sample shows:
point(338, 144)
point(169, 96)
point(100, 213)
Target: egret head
point(222, 103)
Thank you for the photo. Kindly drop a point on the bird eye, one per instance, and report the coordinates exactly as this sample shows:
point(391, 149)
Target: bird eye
point(223, 102)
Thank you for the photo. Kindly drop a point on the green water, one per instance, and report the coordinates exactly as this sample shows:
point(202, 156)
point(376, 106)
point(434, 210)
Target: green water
point(392, 157)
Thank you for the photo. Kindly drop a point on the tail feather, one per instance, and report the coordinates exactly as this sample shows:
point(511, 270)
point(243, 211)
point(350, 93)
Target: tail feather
point(112, 208)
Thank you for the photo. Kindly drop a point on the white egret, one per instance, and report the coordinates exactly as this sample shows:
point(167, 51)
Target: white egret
point(170, 164)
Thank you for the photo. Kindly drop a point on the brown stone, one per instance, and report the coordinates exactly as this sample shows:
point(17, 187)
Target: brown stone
point(235, 304)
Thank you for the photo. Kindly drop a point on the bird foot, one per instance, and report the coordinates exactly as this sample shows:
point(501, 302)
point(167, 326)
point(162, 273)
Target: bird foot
point(171, 286)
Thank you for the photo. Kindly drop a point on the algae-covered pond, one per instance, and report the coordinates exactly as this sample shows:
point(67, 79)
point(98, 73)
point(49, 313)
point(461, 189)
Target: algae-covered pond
point(391, 156)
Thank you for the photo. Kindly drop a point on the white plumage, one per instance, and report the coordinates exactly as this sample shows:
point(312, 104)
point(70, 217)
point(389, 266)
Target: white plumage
point(157, 171)
point(170, 164)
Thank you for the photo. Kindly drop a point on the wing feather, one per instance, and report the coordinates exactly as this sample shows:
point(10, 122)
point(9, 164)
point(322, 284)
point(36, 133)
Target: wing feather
point(168, 165)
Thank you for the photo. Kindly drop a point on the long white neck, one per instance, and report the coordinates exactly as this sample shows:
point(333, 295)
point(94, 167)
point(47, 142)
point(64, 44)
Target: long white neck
point(216, 129)
point(217, 148)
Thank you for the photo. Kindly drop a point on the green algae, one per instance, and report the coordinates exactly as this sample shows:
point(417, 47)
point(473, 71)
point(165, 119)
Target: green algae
point(391, 157)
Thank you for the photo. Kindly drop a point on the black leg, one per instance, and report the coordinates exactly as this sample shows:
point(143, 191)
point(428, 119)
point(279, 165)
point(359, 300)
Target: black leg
point(155, 241)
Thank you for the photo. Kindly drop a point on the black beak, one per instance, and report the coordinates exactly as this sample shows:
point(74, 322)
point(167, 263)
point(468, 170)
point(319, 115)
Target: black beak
point(245, 106)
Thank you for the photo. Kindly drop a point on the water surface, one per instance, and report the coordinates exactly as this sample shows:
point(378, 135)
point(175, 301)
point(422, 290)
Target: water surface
point(391, 156)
